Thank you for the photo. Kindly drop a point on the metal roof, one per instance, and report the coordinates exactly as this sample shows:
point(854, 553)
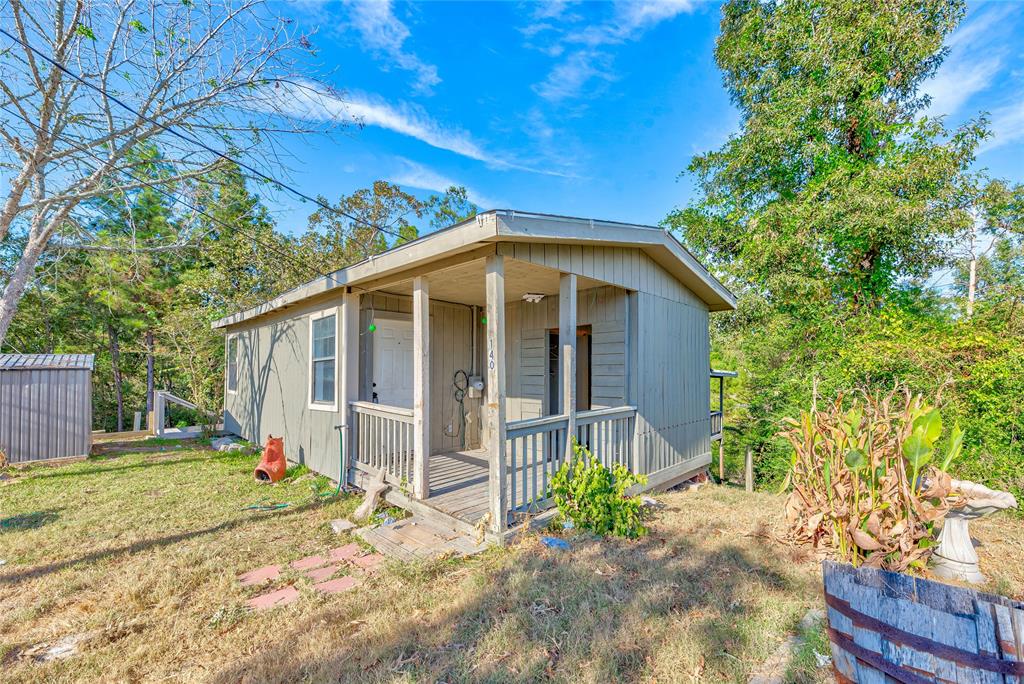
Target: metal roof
point(46, 361)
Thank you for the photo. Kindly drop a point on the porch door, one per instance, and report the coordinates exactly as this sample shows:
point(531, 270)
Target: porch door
point(392, 363)
point(582, 370)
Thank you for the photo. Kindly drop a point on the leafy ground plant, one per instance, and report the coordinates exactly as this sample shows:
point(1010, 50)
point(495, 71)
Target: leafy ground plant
point(868, 487)
point(596, 498)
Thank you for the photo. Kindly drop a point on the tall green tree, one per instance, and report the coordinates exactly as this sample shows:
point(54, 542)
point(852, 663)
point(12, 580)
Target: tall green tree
point(830, 211)
point(836, 185)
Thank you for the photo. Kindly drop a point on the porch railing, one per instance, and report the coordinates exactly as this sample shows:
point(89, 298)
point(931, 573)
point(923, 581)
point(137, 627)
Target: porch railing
point(536, 449)
point(716, 425)
point(383, 440)
point(608, 434)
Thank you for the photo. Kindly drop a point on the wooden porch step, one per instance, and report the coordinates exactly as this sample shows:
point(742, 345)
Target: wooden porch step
point(419, 538)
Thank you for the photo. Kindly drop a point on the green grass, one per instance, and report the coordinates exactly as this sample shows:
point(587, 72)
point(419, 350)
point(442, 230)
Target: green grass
point(803, 668)
point(141, 551)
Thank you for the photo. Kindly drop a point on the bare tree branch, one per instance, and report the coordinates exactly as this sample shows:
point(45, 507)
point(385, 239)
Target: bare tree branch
point(194, 74)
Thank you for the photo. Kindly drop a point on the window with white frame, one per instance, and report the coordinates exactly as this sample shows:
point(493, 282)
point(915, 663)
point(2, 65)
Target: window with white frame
point(232, 364)
point(322, 359)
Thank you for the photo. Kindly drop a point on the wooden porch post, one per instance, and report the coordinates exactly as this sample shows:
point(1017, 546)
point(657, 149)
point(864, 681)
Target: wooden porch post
point(349, 380)
point(421, 386)
point(495, 279)
point(567, 353)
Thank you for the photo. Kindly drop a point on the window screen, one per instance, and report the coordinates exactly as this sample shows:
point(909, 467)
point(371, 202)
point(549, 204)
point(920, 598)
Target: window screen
point(323, 360)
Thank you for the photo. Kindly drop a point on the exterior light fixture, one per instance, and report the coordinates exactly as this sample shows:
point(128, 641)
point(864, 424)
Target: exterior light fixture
point(532, 297)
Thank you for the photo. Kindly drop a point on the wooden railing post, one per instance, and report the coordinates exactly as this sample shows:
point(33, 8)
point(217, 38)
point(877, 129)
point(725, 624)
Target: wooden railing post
point(567, 352)
point(495, 363)
point(721, 458)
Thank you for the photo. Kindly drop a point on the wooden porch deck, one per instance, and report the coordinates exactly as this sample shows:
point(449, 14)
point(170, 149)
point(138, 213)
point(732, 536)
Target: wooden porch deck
point(459, 484)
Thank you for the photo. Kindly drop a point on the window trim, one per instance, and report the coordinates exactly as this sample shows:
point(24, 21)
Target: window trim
point(315, 405)
point(227, 364)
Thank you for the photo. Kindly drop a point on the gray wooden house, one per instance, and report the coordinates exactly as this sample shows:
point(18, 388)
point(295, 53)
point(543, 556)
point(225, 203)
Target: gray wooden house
point(45, 406)
point(461, 363)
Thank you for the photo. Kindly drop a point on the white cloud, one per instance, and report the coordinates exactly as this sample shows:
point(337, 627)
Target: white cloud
point(630, 20)
point(568, 78)
point(586, 47)
point(307, 101)
point(976, 56)
point(384, 34)
point(419, 176)
point(1007, 126)
point(957, 81)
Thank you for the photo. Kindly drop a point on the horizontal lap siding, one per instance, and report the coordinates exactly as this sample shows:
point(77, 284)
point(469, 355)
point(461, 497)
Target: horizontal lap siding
point(45, 414)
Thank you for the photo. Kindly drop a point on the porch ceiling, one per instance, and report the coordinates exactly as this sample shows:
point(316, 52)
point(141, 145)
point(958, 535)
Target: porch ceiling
point(465, 283)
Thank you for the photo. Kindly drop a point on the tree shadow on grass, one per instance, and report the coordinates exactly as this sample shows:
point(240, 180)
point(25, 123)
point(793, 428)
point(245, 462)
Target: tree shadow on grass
point(606, 611)
point(12, 578)
point(29, 521)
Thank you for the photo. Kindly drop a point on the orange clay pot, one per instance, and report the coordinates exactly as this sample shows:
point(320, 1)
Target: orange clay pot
point(272, 465)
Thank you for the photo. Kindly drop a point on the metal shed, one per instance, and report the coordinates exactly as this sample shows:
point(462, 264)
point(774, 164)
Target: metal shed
point(45, 406)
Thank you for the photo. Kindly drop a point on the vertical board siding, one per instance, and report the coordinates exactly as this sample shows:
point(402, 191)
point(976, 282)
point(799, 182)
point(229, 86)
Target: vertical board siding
point(526, 350)
point(659, 363)
point(672, 355)
point(45, 413)
point(451, 345)
point(626, 267)
point(273, 392)
point(673, 404)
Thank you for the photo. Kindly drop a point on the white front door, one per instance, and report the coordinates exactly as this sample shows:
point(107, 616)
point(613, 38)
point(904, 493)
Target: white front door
point(392, 362)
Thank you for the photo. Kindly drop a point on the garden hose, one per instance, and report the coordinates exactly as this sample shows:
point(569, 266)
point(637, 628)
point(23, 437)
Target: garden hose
point(460, 383)
point(341, 468)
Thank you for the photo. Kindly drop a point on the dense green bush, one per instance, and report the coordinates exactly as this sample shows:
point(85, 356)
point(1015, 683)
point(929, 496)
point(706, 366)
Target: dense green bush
point(595, 498)
point(974, 367)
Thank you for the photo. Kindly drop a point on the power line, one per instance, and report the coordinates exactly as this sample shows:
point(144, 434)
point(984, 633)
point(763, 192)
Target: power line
point(194, 141)
point(179, 200)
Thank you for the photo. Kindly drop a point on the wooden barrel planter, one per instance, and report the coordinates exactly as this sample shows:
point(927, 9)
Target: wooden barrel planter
point(887, 626)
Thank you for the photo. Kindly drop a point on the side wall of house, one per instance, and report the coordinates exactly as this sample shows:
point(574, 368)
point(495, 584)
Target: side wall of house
point(273, 390)
point(673, 402)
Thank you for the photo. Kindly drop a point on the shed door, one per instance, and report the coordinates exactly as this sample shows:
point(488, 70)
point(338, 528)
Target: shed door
point(392, 363)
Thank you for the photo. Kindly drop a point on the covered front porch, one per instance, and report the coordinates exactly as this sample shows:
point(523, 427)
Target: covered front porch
point(472, 375)
point(438, 353)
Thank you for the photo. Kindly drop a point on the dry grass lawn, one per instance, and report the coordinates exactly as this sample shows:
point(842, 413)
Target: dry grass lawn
point(140, 553)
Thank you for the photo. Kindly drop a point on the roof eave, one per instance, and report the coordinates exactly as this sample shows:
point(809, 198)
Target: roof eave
point(509, 225)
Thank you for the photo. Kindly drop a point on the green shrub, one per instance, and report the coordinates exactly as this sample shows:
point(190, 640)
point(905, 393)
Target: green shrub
point(595, 498)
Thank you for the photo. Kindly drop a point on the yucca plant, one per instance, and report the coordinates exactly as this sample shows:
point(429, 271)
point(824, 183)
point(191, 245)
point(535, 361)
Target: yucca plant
point(868, 486)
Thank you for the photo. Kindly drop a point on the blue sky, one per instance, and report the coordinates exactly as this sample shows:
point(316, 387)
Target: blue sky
point(587, 109)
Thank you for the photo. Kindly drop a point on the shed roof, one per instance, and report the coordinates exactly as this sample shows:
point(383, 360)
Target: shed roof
point(508, 225)
point(46, 361)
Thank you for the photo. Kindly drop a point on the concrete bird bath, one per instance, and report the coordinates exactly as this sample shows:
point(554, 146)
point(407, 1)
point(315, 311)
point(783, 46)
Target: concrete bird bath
point(955, 557)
